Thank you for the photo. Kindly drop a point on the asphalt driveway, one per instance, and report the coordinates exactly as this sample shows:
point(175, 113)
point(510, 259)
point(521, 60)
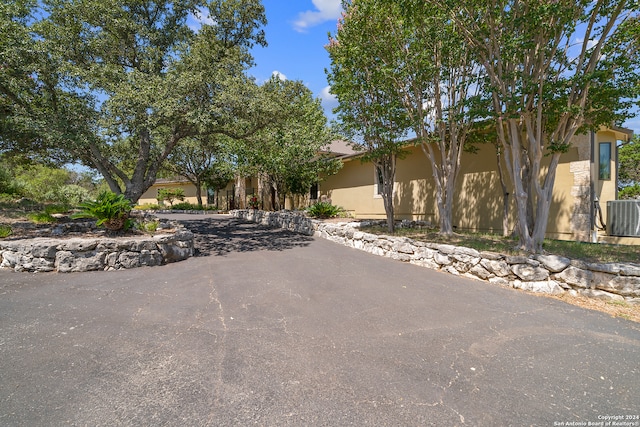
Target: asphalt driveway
point(269, 328)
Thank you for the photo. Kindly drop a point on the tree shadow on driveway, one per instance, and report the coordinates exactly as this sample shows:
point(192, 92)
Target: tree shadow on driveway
point(223, 236)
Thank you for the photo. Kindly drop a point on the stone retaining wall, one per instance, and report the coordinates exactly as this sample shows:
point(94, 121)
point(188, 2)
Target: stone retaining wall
point(99, 253)
point(288, 220)
point(537, 273)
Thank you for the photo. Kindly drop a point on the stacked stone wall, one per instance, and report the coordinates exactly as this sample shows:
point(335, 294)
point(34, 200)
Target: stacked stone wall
point(100, 253)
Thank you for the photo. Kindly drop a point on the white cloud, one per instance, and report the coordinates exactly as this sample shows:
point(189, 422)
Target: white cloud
point(279, 75)
point(329, 100)
point(326, 10)
point(199, 18)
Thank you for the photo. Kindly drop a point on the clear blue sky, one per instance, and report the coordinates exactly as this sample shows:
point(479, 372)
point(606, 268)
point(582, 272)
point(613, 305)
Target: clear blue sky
point(297, 33)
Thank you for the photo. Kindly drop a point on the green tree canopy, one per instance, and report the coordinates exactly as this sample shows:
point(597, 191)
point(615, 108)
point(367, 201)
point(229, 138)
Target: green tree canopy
point(122, 82)
point(288, 151)
point(553, 69)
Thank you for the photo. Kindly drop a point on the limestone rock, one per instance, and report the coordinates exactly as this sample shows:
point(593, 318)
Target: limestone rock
point(480, 272)
point(441, 259)
point(78, 245)
point(628, 286)
point(575, 277)
point(426, 262)
point(529, 273)
point(404, 248)
point(545, 287)
point(446, 249)
point(606, 296)
point(173, 253)
point(554, 263)
point(400, 256)
point(500, 281)
point(129, 259)
point(472, 253)
point(499, 268)
point(45, 250)
point(517, 260)
point(492, 256)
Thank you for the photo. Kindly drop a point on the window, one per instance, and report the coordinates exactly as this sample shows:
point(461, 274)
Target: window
point(379, 181)
point(604, 167)
point(313, 192)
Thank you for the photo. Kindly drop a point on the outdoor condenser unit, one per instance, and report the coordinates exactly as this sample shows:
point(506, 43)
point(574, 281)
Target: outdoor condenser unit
point(623, 218)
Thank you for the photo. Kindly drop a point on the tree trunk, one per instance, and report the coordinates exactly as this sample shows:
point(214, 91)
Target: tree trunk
point(240, 192)
point(387, 167)
point(505, 195)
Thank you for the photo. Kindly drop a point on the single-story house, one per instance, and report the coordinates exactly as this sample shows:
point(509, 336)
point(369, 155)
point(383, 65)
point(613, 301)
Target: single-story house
point(223, 199)
point(586, 178)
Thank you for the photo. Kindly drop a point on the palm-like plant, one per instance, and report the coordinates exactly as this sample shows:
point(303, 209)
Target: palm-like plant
point(109, 209)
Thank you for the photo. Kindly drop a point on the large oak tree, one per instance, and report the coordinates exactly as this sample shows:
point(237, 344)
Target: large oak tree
point(118, 84)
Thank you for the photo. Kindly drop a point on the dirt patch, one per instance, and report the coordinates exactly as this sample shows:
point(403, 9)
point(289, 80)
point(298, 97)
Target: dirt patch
point(614, 309)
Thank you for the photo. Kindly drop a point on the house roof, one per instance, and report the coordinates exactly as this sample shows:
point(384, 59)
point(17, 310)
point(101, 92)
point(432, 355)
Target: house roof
point(340, 147)
point(171, 180)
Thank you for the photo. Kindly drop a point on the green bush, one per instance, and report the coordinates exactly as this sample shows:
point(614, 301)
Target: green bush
point(148, 207)
point(5, 231)
point(72, 194)
point(149, 226)
point(630, 192)
point(57, 209)
point(41, 217)
point(324, 210)
point(110, 210)
point(186, 206)
point(170, 195)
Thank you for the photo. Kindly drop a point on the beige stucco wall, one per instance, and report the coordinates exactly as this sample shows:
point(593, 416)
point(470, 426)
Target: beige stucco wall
point(150, 196)
point(479, 199)
point(222, 199)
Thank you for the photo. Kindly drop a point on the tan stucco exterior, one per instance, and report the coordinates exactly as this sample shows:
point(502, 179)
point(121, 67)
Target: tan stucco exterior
point(479, 204)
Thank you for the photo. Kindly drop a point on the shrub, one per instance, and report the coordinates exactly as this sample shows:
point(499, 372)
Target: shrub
point(630, 192)
point(72, 194)
point(56, 209)
point(170, 195)
point(41, 217)
point(149, 226)
point(148, 207)
point(186, 206)
point(5, 230)
point(324, 210)
point(110, 210)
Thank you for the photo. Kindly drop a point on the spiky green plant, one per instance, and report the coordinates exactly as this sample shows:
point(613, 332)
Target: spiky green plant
point(110, 211)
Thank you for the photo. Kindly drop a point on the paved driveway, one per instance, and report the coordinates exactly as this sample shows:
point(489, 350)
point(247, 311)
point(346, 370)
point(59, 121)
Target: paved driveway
point(270, 328)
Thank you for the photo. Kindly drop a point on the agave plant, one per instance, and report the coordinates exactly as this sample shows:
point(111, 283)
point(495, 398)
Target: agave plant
point(110, 210)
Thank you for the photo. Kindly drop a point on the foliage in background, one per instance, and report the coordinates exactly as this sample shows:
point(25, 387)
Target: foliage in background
point(200, 160)
point(45, 184)
point(288, 151)
point(553, 70)
point(118, 84)
point(629, 169)
point(170, 195)
point(41, 217)
point(109, 209)
point(186, 206)
point(630, 192)
point(148, 207)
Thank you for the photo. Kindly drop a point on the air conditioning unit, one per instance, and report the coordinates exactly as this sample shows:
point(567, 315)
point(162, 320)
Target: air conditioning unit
point(623, 218)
